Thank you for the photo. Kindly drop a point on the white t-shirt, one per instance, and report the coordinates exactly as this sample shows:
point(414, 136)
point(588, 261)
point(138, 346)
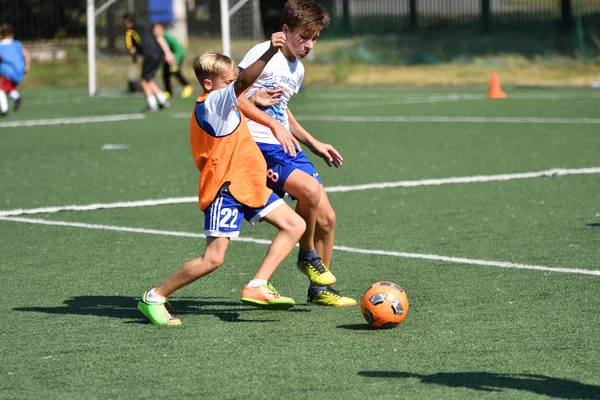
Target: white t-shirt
point(216, 115)
point(278, 73)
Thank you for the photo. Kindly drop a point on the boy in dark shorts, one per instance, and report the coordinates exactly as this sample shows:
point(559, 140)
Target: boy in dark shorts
point(140, 40)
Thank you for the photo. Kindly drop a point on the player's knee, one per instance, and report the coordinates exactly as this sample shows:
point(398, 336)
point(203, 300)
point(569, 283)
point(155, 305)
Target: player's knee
point(212, 262)
point(326, 220)
point(297, 226)
point(311, 194)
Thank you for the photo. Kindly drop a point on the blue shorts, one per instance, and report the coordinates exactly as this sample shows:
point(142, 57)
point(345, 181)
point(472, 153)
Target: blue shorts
point(223, 218)
point(280, 165)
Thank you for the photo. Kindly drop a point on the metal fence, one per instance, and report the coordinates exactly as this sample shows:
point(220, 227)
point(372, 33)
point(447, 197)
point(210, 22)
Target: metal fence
point(390, 16)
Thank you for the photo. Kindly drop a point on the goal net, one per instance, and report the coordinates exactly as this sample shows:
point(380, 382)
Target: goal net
point(227, 26)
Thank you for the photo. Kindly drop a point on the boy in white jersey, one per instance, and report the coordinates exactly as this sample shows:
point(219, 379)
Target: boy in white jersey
point(302, 22)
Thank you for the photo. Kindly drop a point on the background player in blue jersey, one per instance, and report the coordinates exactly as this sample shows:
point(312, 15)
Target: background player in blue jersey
point(14, 65)
point(302, 22)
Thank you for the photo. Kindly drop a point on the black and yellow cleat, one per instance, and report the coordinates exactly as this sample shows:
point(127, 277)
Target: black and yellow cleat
point(316, 272)
point(328, 297)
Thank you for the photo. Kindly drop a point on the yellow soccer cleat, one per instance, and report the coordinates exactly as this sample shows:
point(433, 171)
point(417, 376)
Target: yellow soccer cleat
point(328, 297)
point(187, 91)
point(316, 272)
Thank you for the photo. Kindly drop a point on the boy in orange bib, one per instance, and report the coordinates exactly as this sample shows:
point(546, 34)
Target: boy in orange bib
point(232, 183)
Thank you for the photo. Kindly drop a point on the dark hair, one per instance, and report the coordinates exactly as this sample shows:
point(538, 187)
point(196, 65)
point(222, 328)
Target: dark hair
point(129, 17)
point(304, 14)
point(7, 30)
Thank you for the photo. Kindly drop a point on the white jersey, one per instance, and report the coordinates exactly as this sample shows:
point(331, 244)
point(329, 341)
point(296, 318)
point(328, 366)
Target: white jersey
point(278, 73)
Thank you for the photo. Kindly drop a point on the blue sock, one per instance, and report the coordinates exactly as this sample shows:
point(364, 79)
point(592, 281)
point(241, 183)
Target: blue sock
point(312, 290)
point(307, 255)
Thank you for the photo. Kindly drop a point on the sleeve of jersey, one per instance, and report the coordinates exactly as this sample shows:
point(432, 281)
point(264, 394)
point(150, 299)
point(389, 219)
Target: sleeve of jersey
point(217, 115)
point(128, 40)
point(253, 54)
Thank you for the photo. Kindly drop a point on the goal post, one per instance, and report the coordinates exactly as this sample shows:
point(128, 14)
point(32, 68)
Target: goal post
point(110, 67)
point(92, 14)
point(227, 15)
point(91, 47)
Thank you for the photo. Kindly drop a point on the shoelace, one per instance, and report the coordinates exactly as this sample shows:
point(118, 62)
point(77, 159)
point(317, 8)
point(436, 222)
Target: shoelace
point(332, 290)
point(167, 313)
point(317, 264)
point(272, 288)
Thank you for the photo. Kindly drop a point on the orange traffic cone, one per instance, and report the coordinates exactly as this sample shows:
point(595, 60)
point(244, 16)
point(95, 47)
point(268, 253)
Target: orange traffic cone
point(495, 90)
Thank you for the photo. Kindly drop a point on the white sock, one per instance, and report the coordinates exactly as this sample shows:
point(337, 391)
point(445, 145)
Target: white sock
point(257, 282)
point(161, 98)
point(152, 297)
point(151, 102)
point(3, 102)
point(14, 95)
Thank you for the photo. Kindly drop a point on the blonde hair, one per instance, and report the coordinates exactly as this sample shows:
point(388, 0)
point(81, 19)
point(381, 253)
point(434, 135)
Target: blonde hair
point(211, 64)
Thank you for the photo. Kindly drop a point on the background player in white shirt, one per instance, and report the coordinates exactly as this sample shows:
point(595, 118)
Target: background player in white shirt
point(302, 22)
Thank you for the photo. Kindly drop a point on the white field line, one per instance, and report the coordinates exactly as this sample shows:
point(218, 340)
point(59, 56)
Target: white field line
point(388, 102)
point(504, 120)
point(433, 257)
point(100, 206)
point(394, 99)
point(465, 179)
point(367, 104)
point(416, 96)
point(329, 189)
point(66, 121)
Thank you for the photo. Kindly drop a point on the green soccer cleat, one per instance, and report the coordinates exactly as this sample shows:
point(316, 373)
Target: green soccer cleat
point(316, 272)
point(266, 296)
point(328, 297)
point(157, 312)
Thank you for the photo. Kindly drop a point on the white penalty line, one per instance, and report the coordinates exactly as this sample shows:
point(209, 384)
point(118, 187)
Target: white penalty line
point(437, 96)
point(331, 189)
point(432, 257)
point(67, 121)
point(479, 120)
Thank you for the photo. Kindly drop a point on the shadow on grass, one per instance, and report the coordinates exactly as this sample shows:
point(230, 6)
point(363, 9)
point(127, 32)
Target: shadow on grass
point(356, 327)
point(492, 382)
point(126, 308)
point(594, 225)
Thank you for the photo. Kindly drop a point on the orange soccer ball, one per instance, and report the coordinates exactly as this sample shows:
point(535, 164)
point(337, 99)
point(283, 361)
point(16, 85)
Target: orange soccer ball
point(384, 305)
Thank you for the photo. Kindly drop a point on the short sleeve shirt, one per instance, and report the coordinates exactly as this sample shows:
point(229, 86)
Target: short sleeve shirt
point(278, 73)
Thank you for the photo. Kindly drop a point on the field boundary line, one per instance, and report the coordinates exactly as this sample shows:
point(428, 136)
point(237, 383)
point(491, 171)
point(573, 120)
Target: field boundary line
point(466, 179)
point(464, 96)
point(330, 189)
point(68, 121)
point(503, 120)
point(432, 257)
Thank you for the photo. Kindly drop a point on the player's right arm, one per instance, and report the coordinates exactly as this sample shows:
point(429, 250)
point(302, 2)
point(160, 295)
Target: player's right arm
point(247, 76)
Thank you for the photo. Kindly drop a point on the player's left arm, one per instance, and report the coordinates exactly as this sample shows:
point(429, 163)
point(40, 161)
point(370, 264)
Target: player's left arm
point(324, 150)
